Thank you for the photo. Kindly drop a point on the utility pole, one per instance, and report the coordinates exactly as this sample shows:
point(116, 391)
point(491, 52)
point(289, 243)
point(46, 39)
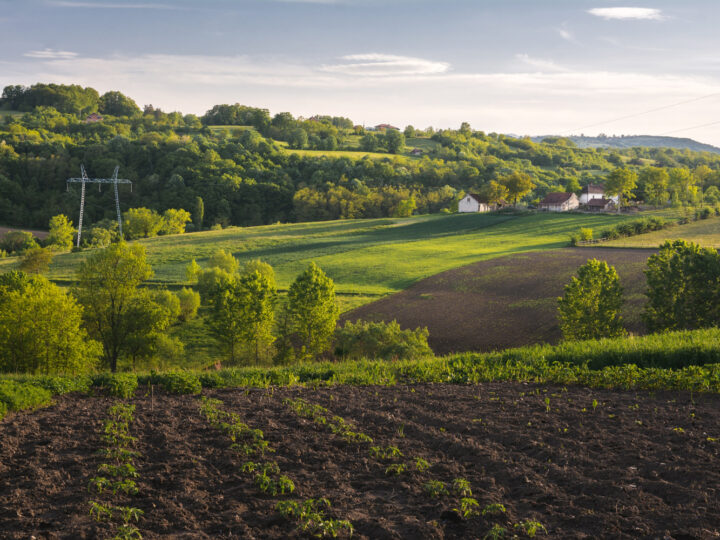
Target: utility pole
point(85, 180)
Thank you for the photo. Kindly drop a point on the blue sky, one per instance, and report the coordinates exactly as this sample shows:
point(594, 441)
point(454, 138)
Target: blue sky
point(511, 66)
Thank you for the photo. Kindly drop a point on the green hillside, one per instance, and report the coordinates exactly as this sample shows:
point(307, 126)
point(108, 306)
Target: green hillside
point(365, 257)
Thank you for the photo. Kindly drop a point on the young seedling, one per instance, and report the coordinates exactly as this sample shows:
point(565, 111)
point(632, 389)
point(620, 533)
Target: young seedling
point(100, 512)
point(468, 507)
point(531, 528)
point(435, 489)
point(461, 488)
point(396, 469)
point(495, 533)
point(421, 465)
point(494, 509)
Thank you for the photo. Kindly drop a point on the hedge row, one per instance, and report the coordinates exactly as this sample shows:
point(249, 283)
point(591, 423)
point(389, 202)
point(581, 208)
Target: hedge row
point(688, 360)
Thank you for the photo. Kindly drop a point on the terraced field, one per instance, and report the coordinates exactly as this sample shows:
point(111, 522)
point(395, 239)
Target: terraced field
point(562, 462)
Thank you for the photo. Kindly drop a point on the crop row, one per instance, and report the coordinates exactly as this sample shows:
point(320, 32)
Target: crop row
point(392, 459)
point(251, 445)
point(116, 480)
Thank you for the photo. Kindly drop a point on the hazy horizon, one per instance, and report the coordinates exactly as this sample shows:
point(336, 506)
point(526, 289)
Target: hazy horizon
point(527, 67)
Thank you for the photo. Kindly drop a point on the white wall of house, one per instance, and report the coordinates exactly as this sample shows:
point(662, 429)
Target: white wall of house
point(584, 197)
point(468, 204)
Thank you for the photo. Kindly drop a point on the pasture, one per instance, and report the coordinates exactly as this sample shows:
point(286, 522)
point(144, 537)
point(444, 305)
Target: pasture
point(366, 258)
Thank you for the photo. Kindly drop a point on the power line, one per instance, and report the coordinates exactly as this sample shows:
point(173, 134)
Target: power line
point(689, 128)
point(634, 115)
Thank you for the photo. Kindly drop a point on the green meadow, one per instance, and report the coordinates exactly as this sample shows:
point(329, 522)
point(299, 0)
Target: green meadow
point(366, 258)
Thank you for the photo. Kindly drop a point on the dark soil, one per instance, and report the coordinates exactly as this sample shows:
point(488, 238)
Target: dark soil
point(505, 302)
point(635, 465)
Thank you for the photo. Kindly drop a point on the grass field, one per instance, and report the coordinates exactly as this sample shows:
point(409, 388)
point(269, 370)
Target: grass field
point(705, 232)
point(365, 257)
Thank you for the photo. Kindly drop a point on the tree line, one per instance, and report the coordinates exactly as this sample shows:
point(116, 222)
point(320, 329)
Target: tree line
point(243, 174)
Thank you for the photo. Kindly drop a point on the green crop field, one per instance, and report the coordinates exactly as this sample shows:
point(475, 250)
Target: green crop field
point(705, 232)
point(367, 258)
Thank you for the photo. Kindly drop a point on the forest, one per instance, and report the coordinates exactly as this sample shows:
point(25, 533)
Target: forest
point(240, 165)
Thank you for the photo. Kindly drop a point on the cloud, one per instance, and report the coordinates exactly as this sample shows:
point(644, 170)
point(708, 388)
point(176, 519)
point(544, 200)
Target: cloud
point(565, 34)
point(384, 65)
point(537, 96)
point(628, 13)
point(50, 54)
point(109, 5)
point(539, 64)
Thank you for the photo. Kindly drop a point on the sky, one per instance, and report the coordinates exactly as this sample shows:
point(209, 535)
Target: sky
point(524, 67)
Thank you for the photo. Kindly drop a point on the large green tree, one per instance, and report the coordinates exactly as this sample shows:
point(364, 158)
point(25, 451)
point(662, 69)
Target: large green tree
point(590, 308)
point(40, 328)
point(62, 232)
point(242, 318)
point(108, 288)
point(683, 287)
point(518, 184)
point(620, 182)
point(312, 311)
point(654, 181)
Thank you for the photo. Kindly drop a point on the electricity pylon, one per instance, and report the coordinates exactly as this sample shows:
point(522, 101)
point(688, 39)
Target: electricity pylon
point(85, 180)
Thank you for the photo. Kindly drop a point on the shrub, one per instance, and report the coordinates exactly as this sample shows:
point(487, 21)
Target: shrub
point(3, 410)
point(382, 340)
point(21, 396)
point(122, 385)
point(586, 234)
point(189, 303)
point(180, 382)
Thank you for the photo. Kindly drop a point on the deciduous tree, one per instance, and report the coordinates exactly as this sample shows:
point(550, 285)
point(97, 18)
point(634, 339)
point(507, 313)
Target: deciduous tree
point(590, 308)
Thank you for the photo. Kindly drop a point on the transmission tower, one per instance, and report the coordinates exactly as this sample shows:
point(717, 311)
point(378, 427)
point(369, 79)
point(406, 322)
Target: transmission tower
point(85, 180)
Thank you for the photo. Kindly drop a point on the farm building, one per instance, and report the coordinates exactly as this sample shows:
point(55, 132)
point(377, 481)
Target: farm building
point(594, 191)
point(472, 203)
point(559, 202)
point(94, 117)
point(385, 127)
point(416, 152)
point(600, 205)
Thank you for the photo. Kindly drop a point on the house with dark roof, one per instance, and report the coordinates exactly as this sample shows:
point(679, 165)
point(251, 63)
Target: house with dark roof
point(600, 205)
point(559, 202)
point(385, 127)
point(472, 203)
point(92, 118)
point(594, 191)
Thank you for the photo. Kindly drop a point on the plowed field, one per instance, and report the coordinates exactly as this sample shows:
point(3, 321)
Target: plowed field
point(584, 463)
point(504, 302)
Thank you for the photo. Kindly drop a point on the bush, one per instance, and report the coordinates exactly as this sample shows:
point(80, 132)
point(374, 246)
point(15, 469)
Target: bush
point(705, 213)
point(586, 234)
point(122, 385)
point(189, 303)
point(19, 396)
point(381, 340)
point(179, 382)
point(3, 410)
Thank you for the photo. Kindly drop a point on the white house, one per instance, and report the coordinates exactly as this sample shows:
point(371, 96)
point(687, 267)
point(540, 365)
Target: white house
point(559, 202)
point(594, 191)
point(474, 203)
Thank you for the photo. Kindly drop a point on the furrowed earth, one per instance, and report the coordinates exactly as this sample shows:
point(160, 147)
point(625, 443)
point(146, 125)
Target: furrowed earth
point(507, 301)
point(585, 463)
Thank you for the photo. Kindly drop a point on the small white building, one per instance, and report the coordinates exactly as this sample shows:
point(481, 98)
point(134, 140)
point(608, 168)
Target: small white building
point(559, 202)
point(472, 203)
point(594, 191)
